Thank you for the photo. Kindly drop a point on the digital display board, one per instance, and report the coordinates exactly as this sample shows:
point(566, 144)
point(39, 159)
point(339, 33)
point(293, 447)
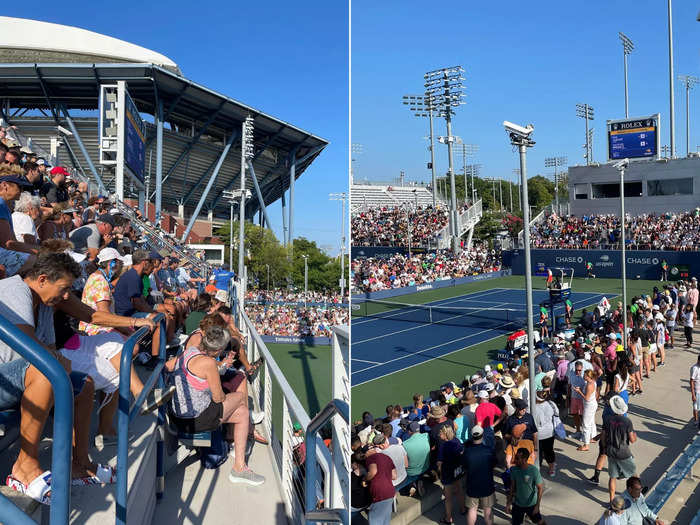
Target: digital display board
point(636, 138)
point(134, 139)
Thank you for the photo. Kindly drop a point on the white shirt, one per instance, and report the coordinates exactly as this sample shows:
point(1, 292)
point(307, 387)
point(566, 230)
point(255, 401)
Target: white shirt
point(688, 319)
point(23, 225)
point(695, 376)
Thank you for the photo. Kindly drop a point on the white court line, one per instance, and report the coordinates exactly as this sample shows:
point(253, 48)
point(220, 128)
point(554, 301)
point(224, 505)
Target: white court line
point(448, 353)
point(424, 325)
point(365, 361)
point(433, 303)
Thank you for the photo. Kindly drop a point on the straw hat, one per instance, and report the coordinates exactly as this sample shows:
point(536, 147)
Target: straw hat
point(618, 405)
point(506, 382)
point(437, 412)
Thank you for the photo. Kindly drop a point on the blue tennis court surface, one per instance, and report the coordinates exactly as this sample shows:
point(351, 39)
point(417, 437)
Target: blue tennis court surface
point(392, 341)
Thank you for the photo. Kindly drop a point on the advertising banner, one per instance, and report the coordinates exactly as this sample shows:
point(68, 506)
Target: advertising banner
point(295, 340)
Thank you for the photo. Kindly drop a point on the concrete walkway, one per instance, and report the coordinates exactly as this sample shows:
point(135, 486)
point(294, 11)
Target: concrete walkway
point(662, 419)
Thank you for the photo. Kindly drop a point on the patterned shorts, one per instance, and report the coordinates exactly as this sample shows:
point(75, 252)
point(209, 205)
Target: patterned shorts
point(12, 261)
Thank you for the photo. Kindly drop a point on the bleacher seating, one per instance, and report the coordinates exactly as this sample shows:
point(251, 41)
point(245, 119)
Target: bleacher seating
point(367, 196)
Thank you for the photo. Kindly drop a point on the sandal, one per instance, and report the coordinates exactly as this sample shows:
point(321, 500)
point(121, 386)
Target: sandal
point(254, 366)
point(260, 439)
point(103, 475)
point(39, 489)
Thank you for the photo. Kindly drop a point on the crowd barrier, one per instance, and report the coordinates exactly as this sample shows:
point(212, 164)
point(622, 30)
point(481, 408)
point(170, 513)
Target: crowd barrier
point(377, 251)
point(641, 264)
point(446, 283)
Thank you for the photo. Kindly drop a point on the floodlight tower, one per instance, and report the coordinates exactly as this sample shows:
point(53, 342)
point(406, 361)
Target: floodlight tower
point(467, 150)
point(355, 151)
point(342, 197)
point(585, 112)
point(627, 48)
point(247, 152)
point(445, 89)
point(689, 82)
point(422, 106)
point(555, 162)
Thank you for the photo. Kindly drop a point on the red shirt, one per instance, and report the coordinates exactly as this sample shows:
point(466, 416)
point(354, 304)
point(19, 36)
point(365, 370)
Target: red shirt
point(381, 487)
point(486, 414)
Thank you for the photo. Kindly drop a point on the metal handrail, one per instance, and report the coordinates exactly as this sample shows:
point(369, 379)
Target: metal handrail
point(127, 413)
point(38, 356)
point(336, 406)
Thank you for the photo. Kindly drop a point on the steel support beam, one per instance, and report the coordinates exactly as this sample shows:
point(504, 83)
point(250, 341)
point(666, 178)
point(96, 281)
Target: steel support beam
point(292, 179)
point(159, 162)
point(255, 157)
point(169, 111)
point(284, 215)
point(203, 198)
point(191, 144)
point(83, 150)
point(258, 192)
point(189, 194)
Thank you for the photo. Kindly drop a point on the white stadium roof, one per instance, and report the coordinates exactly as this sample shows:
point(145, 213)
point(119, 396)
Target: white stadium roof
point(23, 40)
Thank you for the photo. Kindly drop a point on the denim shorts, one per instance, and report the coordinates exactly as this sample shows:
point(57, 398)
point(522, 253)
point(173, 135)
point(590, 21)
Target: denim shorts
point(12, 382)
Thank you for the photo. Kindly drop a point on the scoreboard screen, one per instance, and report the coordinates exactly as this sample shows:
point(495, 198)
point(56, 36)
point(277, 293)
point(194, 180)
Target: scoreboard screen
point(633, 138)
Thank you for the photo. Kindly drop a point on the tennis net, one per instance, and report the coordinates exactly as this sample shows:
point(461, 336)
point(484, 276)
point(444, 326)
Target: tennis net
point(448, 315)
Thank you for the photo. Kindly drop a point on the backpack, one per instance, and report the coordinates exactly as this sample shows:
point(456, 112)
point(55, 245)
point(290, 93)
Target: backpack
point(216, 455)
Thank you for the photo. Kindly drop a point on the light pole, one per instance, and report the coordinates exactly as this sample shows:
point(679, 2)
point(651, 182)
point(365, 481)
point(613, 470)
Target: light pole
point(467, 150)
point(620, 166)
point(231, 197)
point(627, 47)
point(689, 82)
point(522, 140)
point(585, 112)
point(555, 162)
point(355, 151)
point(422, 106)
point(342, 197)
point(444, 88)
point(516, 172)
point(247, 152)
point(268, 276)
point(672, 120)
point(306, 276)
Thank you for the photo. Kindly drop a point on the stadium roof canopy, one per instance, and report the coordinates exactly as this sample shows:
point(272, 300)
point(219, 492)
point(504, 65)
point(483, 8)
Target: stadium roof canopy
point(201, 119)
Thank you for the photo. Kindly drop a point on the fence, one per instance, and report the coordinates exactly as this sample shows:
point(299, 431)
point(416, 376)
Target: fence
point(33, 352)
point(306, 492)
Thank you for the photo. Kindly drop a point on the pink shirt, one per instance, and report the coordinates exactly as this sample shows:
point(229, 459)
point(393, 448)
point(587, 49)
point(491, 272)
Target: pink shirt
point(693, 296)
point(486, 414)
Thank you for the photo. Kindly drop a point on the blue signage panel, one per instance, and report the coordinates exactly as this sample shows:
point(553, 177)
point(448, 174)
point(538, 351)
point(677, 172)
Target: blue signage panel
point(134, 139)
point(632, 139)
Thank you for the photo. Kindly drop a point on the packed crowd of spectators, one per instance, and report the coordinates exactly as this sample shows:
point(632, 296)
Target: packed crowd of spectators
point(79, 280)
point(392, 226)
point(669, 231)
point(280, 295)
point(478, 434)
point(371, 274)
point(296, 320)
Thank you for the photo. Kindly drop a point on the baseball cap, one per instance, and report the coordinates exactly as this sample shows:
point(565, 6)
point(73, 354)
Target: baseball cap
point(108, 254)
point(154, 255)
point(20, 181)
point(59, 170)
point(483, 394)
point(69, 210)
point(221, 295)
point(519, 404)
point(106, 218)
point(41, 162)
point(477, 431)
point(414, 427)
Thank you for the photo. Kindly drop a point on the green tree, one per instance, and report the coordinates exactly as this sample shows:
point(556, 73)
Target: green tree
point(324, 271)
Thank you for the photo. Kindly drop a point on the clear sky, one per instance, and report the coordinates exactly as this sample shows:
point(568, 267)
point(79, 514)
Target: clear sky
point(288, 60)
point(526, 62)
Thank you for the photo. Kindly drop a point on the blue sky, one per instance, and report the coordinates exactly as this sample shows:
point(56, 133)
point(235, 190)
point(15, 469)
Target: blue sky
point(286, 59)
point(527, 62)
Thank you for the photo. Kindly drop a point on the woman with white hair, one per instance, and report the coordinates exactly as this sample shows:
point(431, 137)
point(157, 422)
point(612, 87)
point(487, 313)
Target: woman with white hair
point(25, 217)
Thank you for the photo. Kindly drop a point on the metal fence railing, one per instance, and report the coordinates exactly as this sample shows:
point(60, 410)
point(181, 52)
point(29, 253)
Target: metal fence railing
point(33, 352)
point(285, 424)
point(127, 413)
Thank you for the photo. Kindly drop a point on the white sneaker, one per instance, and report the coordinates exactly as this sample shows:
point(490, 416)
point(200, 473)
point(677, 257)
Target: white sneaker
point(257, 416)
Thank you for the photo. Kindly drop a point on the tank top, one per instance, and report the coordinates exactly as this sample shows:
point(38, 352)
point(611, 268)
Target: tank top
point(192, 393)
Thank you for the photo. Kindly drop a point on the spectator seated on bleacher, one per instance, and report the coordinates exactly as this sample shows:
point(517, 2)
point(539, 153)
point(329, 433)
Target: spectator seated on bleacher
point(393, 226)
point(200, 403)
point(15, 255)
point(302, 321)
point(371, 274)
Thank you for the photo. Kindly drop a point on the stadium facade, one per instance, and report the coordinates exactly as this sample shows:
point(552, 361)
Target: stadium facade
point(657, 186)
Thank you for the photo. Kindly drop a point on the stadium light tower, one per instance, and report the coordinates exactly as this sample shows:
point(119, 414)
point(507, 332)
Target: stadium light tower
point(342, 197)
point(585, 112)
point(355, 151)
point(247, 152)
point(467, 150)
point(555, 162)
point(521, 137)
point(627, 48)
point(689, 81)
point(422, 106)
point(445, 89)
point(672, 106)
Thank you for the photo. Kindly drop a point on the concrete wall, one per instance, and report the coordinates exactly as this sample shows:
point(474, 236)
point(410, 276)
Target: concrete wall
point(637, 171)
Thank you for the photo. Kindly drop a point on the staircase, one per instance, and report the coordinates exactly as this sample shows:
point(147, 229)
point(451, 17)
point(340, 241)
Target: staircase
point(465, 223)
point(158, 239)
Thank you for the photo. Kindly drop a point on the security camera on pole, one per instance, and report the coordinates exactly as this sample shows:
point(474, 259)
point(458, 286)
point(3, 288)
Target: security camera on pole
point(520, 137)
point(620, 166)
point(444, 87)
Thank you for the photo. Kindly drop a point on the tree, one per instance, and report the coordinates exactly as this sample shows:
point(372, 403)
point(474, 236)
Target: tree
point(324, 271)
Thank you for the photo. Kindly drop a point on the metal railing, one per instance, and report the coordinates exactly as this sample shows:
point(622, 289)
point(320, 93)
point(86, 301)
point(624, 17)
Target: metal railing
point(127, 413)
point(536, 219)
point(38, 356)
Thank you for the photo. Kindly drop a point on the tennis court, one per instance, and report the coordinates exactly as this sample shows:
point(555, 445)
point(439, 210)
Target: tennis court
point(388, 338)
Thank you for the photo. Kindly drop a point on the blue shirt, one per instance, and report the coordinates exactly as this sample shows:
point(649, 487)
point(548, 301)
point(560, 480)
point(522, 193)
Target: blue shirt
point(129, 286)
point(222, 279)
point(5, 214)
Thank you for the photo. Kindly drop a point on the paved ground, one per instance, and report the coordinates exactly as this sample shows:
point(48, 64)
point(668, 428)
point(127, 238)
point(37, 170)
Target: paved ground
point(661, 417)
